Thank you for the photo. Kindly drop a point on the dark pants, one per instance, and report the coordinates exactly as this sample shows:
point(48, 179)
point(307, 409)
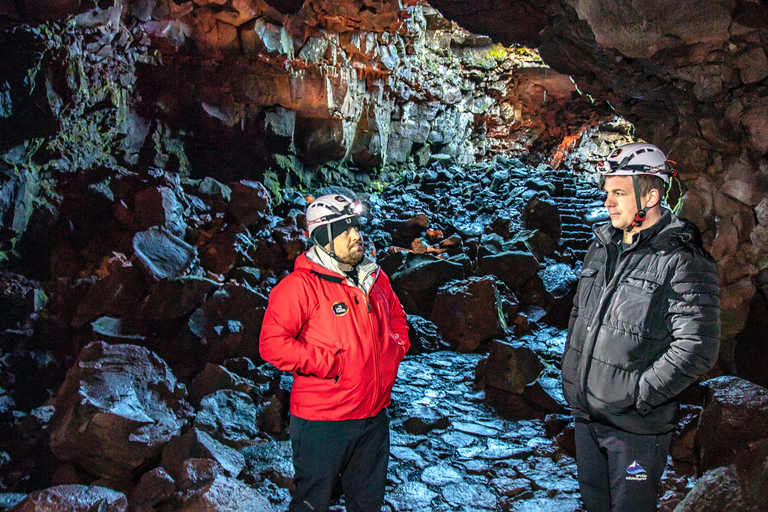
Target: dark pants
point(619, 471)
point(357, 451)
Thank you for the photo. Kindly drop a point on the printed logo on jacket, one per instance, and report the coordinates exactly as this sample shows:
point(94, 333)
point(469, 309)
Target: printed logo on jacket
point(636, 472)
point(340, 308)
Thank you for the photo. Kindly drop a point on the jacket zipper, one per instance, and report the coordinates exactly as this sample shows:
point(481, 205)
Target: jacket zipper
point(377, 380)
point(597, 315)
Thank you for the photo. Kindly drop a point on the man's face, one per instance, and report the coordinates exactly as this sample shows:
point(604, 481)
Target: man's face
point(348, 246)
point(620, 201)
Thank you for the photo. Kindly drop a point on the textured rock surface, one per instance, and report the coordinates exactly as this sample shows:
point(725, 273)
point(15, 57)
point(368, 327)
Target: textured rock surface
point(73, 498)
point(118, 407)
point(735, 415)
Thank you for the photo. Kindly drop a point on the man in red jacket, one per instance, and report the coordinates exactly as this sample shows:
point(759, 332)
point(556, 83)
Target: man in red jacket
point(338, 326)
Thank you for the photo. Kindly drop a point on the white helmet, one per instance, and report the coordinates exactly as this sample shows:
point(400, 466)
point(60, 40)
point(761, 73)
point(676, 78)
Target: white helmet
point(636, 159)
point(330, 215)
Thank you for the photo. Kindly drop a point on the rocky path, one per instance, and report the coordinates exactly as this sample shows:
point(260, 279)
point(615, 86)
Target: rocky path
point(450, 451)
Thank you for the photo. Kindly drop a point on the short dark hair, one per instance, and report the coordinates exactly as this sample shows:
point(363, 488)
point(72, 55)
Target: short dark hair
point(646, 183)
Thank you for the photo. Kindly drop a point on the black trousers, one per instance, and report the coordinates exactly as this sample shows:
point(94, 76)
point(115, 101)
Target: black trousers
point(619, 471)
point(357, 451)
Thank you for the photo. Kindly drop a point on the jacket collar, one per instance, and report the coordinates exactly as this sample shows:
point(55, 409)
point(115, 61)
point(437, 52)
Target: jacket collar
point(668, 225)
point(366, 269)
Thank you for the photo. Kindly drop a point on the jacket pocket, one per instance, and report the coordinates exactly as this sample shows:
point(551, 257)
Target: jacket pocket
point(635, 304)
point(612, 386)
point(586, 286)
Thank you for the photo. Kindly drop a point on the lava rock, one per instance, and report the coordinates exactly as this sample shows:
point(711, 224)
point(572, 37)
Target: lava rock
point(162, 254)
point(735, 415)
point(215, 377)
point(118, 294)
point(272, 460)
point(225, 494)
point(511, 366)
point(159, 206)
point(249, 202)
point(423, 420)
point(230, 417)
point(423, 336)
point(73, 498)
point(176, 298)
point(469, 312)
point(514, 268)
point(410, 496)
point(196, 444)
point(118, 407)
point(418, 281)
point(154, 487)
point(542, 215)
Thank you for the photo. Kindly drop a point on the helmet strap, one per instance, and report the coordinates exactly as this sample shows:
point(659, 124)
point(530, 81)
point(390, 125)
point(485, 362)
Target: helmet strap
point(641, 212)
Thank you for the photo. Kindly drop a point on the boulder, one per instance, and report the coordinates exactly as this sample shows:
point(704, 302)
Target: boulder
point(230, 417)
point(469, 312)
point(423, 336)
point(162, 254)
point(228, 323)
point(542, 215)
point(154, 487)
point(73, 498)
point(225, 494)
point(290, 238)
point(272, 460)
point(249, 202)
point(118, 294)
point(214, 193)
point(422, 420)
point(418, 280)
point(215, 377)
point(176, 298)
point(159, 206)
point(514, 268)
point(511, 366)
point(717, 490)
point(735, 414)
point(117, 408)
point(535, 402)
point(560, 283)
point(196, 444)
point(219, 253)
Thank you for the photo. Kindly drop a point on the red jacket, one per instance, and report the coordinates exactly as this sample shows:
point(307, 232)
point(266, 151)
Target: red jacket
point(343, 346)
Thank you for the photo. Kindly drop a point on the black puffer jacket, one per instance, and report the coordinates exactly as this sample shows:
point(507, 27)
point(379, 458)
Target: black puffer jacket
point(638, 338)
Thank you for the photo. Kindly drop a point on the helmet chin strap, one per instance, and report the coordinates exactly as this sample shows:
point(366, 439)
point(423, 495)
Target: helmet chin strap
point(641, 212)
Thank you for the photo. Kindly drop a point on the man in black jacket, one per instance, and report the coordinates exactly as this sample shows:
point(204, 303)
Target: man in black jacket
point(645, 325)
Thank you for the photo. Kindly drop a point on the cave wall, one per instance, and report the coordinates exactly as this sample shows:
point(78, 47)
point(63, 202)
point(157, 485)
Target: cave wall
point(691, 77)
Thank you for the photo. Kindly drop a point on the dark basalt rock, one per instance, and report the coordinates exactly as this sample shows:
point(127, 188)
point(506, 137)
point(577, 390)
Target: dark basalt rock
point(469, 312)
point(159, 207)
point(119, 406)
point(164, 255)
point(514, 268)
point(155, 486)
point(224, 494)
point(418, 280)
point(230, 417)
point(249, 202)
point(423, 336)
point(735, 415)
point(511, 366)
point(73, 498)
point(196, 444)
